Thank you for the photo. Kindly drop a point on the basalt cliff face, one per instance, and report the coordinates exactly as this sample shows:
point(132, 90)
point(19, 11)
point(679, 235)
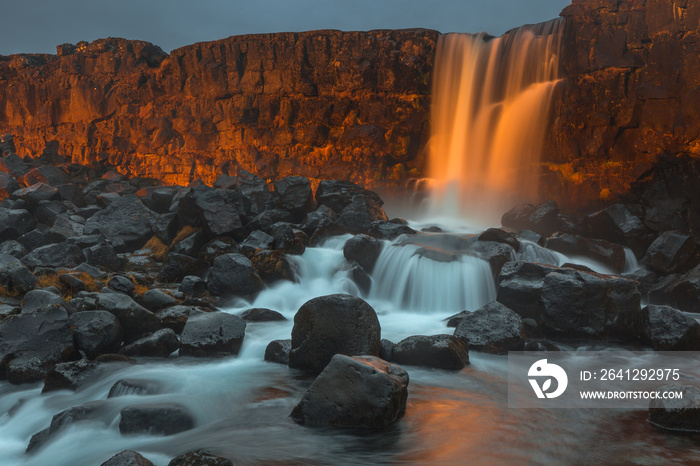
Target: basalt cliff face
point(355, 105)
point(631, 94)
point(324, 104)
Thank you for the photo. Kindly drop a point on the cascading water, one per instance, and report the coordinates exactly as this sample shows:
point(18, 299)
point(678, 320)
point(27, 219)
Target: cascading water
point(491, 98)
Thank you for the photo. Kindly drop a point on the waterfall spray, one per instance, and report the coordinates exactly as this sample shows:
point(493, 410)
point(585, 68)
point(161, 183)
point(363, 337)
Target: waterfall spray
point(491, 99)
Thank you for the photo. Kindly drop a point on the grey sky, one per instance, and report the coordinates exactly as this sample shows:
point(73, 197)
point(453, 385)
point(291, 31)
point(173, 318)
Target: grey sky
point(39, 25)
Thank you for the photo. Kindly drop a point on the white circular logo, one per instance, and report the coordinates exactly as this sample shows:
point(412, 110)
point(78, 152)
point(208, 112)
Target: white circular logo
point(546, 372)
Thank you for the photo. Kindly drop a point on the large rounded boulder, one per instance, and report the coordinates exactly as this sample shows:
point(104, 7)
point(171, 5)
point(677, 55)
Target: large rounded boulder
point(493, 328)
point(233, 275)
point(360, 392)
point(438, 351)
point(330, 325)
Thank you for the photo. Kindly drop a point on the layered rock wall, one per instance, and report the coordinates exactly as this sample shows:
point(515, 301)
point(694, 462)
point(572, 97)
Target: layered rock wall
point(328, 104)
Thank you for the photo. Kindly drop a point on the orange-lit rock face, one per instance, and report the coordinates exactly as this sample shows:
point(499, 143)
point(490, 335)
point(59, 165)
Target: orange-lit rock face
point(325, 104)
point(631, 94)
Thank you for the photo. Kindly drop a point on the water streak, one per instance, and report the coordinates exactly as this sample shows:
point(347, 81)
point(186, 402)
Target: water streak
point(491, 100)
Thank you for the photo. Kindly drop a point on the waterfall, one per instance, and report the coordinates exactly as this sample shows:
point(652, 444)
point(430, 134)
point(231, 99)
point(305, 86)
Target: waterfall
point(491, 99)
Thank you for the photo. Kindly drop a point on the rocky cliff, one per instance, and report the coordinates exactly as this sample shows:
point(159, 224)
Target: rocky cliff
point(330, 104)
point(632, 93)
point(355, 105)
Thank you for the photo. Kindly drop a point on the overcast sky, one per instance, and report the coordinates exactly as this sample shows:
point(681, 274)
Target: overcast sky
point(31, 26)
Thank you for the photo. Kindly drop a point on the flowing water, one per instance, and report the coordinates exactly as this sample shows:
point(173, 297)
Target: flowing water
point(242, 404)
point(491, 100)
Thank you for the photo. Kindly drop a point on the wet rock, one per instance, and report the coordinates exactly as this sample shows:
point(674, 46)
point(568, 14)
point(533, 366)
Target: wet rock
point(386, 351)
point(495, 253)
point(48, 174)
point(96, 332)
point(438, 351)
point(278, 351)
point(520, 287)
point(42, 299)
point(14, 276)
point(322, 216)
point(69, 375)
point(122, 284)
point(178, 266)
point(358, 275)
point(257, 240)
point(155, 300)
point(579, 304)
point(15, 223)
point(662, 327)
point(226, 182)
point(492, 328)
point(618, 225)
point(8, 185)
point(361, 392)
point(32, 343)
point(286, 239)
point(13, 248)
point(259, 314)
point(136, 320)
point(364, 249)
point(214, 209)
point(233, 275)
point(125, 219)
point(295, 196)
point(217, 247)
point(36, 193)
point(360, 214)
point(672, 252)
point(190, 245)
point(333, 324)
point(165, 227)
point(256, 195)
point(159, 345)
point(64, 255)
point(33, 239)
point(679, 291)
point(155, 419)
point(175, 317)
point(212, 334)
point(543, 219)
point(273, 266)
point(681, 415)
point(199, 458)
point(63, 228)
point(127, 458)
point(608, 254)
point(193, 285)
point(337, 194)
point(125, 387)
point(454, 320)
point(500, 236)
point(89, 412)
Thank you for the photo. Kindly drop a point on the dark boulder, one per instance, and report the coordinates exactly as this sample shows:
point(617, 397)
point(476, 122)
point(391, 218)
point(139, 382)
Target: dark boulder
point(278, 351)
point(438, 351)
point(8, 185)
point(13, 248)
point(69, 375)
point(295, 196)
point(155, 419)
point(64, 255)
point(209, 334)
point(175, 317)
point(677, 414)
point(364, 249)
point(500, 236)
point(96, 332)
point(520, 287)
point(333, 324)
point(287, 239)
point(178, 266)
point(492, 328)
point(155, 300)
point(158, 345)
point(679, 291)
point(47, 212)
point(454, 320)
point(322, 216)
point(233, 275)
point(122, 284)
point(41, 299)
point(265, 220)
point(544, 219)
point(495, 253)
point(259, 314)
point(661, 327)
point(126, 219)
point(608, 254)
point(136, 320)
point(127, 458)
point(36, 193)
point(257, 240)
point(218, 246)
point(255, 193)
point(193, 285)
point(337, 194)
point(63, 228)
point(32, 343)
point(94, 411)
point(216, 210)
point(618, 225)
point(15, 223)
point(190, 245)
point(360, 392)
point(358, 275)
point(672, 252)
point(48, 174)
point(386, 351)
point(14, 276)
point(360, 214)
point(199, 458)
point(103, 255)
